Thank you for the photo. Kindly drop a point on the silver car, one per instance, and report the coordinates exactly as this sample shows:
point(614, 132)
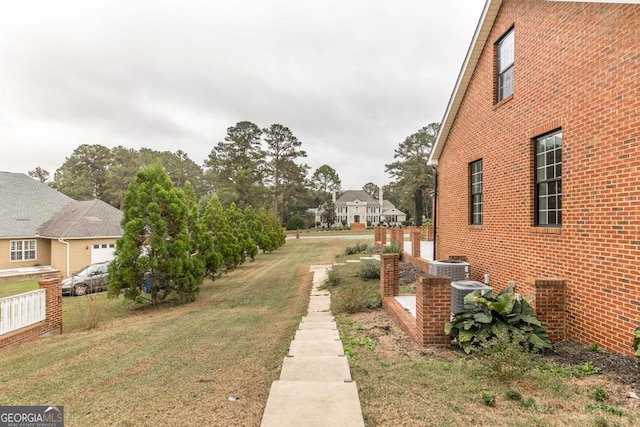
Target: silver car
point(89, 279)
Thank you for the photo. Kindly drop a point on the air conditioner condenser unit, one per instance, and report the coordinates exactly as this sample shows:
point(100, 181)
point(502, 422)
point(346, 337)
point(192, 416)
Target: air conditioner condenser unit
point(460, 289)
point(454, 269)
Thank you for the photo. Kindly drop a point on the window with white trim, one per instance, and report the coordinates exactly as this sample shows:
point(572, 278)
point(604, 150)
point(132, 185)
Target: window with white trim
point(22, 250)
point(548, 178)
point(475, 192)
point(505, 58)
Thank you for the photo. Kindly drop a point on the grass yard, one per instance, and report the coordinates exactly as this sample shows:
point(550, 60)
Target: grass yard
point(173, 365)
point(15, 288)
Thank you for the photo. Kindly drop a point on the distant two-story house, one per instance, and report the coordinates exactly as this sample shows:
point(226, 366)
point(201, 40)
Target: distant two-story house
point(40, 226)
point(538, 159)
point(358, 207)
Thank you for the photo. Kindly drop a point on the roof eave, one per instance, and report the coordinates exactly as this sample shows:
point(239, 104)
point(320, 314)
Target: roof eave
point(478, 42)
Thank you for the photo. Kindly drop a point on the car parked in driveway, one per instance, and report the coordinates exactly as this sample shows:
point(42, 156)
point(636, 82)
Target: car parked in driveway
point(89, 279)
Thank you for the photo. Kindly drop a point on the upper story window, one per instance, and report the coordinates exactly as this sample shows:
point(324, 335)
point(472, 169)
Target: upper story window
point(504, 65)
point(475, 173)
point(23, 250)
point(548, 170)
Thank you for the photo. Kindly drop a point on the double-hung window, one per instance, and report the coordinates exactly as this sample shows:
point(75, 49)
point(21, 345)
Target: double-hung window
point(548, 174)
point(504, 65)
point(475, 173)
point(22, 250)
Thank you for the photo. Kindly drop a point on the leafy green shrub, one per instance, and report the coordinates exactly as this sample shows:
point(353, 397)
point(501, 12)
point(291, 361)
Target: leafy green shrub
point(636, 341)
point(507, 356)
point(296, 223)
point(369, 270)
point(358, 248)
point(587, 368)
point(334, 278)
point(485, 317)
point(392, 249)
point(599, 394)
point(355, 298)
point(488, 399)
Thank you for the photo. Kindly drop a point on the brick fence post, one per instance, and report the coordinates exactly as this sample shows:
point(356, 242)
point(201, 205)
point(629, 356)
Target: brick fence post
point(415, 241)
point(376, 234)
point(433, 309)
point(383, 236)
point(389, 274)
point(549, 304)
point(53, 289)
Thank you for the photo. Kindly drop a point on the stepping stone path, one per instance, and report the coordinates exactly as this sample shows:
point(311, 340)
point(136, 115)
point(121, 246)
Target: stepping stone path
point(315, 386)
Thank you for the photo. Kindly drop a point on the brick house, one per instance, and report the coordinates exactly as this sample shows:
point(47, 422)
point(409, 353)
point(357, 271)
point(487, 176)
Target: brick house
point(42, 227)
point(538, 159)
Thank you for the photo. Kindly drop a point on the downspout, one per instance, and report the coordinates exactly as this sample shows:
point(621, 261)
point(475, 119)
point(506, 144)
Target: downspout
point(67, 244)
point(435, 209)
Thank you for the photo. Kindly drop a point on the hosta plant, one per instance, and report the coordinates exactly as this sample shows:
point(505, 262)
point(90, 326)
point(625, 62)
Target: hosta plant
point(636, 341)
point(487, 316)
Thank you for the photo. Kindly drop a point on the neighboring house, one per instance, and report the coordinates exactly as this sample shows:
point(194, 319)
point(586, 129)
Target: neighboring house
point(40, 226)
point(357, 206)
point(538, 159)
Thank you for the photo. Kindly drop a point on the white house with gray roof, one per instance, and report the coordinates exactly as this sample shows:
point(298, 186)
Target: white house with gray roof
point(40, 226)
point(357, 206)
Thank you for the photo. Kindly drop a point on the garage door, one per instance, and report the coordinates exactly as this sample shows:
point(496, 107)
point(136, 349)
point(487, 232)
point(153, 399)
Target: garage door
point(102, 252)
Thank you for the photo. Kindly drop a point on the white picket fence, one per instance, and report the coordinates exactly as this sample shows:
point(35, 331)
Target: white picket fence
point(22, 310)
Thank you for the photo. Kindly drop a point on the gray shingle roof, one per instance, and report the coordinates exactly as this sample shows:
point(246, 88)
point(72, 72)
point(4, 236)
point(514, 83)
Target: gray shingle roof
point(29, 208)
point(352, 195)
point(25, 204)
point(93, 218)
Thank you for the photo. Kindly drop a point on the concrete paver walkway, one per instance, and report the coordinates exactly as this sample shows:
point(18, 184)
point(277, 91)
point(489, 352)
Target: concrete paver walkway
point(315, 386)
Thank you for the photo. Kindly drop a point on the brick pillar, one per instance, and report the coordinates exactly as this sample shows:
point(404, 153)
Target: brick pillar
point(389, 274)
point(549, 305)
point(415, 241)
point(397, 237)
point(53, 289)
point(376, 234)
point(383, 236)
point(433, 309)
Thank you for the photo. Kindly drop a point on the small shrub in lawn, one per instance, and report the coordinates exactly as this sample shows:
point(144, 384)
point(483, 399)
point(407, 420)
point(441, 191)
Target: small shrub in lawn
point(507, 356)
point(358, 248)
point(513, 395)
point(599, 394)
point(334, 278)
point(392, 249)
point(488, 399)
point(355, 298)
point(369, 270)
point(296, 223)
point(91, 311)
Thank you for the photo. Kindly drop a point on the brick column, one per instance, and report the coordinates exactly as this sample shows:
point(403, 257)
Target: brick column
point(415, 241)
point(397, 237)
point(53, 289)
point(389, 274)
point(549, 304)
point(376, 234)
point(433, 309)
point(383, 236)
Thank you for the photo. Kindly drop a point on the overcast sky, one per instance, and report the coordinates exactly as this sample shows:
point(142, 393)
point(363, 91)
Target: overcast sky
point(351, 79)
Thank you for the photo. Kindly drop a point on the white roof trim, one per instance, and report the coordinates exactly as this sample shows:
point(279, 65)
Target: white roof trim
point(483, 29)
point(478, 42)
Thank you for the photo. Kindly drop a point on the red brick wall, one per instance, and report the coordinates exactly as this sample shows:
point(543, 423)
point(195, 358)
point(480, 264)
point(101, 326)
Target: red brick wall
point(577, 66)
point(433, 309)
point(389, 274)
point(52, 323)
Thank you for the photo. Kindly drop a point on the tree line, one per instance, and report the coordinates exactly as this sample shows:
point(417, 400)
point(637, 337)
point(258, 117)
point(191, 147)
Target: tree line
point(261, 168)
point(171, 242)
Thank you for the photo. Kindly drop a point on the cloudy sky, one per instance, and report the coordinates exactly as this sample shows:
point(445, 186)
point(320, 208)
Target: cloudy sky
point(350, 78)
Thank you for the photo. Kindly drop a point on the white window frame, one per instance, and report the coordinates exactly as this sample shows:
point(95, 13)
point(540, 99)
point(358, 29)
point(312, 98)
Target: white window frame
point(18, 250)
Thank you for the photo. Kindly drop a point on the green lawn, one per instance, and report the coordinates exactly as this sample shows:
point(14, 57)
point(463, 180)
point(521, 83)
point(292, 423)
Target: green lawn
point(173, 365)
point(14, 288)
